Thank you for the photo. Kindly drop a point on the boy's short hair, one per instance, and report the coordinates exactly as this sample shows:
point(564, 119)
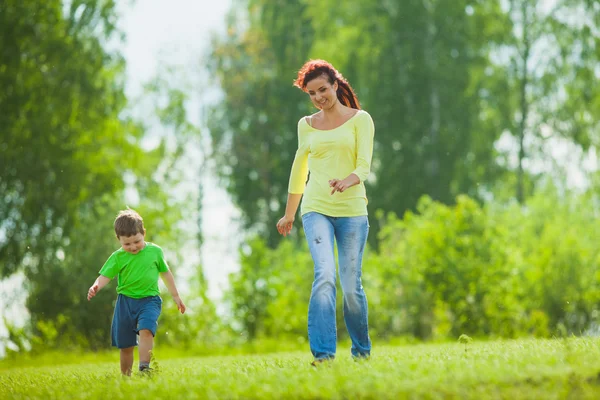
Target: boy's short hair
point(129, 223)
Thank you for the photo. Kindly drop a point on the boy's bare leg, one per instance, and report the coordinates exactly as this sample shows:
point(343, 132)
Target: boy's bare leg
point(145, 346)
point(126, 361)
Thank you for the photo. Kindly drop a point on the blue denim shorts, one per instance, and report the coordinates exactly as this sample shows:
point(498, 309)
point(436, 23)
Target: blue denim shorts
point(133, 315)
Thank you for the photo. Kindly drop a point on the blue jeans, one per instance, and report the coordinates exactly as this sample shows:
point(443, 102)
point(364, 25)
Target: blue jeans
point(351, 236)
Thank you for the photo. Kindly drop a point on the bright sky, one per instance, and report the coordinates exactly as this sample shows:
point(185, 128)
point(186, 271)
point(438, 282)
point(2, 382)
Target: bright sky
point(178, 28)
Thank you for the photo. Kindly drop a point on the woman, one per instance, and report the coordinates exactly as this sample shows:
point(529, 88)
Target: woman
point(335, 145)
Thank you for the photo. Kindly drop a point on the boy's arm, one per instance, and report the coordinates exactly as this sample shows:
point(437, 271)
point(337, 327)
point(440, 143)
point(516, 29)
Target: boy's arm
point(169, 281)
point(101, 281)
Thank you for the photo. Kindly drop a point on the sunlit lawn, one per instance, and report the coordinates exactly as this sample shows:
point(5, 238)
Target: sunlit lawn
point(536, 369)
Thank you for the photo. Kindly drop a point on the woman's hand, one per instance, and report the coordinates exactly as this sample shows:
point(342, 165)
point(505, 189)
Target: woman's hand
point(341, 185)
point(284, 226)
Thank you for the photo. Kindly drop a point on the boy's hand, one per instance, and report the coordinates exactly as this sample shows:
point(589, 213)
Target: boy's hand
point(180, 305)
point(93, 290)
point(98, 284)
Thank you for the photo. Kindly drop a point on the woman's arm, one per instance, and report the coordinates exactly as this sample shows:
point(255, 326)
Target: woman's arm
point(284, 226)
point(297, 182)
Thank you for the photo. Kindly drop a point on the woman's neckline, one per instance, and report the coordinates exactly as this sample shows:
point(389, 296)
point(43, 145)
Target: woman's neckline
point(337, 127)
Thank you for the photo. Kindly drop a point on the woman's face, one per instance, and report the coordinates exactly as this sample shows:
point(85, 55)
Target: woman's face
point(322, 93)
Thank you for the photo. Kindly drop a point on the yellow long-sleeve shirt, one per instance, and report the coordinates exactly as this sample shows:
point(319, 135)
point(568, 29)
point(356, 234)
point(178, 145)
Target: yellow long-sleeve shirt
point(333, 154)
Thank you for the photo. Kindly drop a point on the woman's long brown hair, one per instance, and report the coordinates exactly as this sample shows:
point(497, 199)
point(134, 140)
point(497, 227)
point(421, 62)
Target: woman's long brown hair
point(316, 68)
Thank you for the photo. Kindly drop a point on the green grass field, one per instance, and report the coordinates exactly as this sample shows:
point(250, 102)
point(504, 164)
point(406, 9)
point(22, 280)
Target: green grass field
point(521, 369)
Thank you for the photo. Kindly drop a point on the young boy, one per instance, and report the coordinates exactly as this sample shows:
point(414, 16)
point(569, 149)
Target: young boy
point(137, 265)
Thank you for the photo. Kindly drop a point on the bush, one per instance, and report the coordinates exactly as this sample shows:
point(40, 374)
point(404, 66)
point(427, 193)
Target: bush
point(494, 271)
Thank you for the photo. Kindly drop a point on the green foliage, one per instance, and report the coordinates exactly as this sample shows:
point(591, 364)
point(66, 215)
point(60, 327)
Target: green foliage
point(465, 339)
point(199, 328)
point(15, 341)
point(561, 259)
point(269, 296)
point(249, 293)
point(493, 271)
point(552, 56)
point(421, 70)
point(253, 128)
point(61, 316)
point(62, 141)
point(72, 157)
point(65, 150)
point(443, 81)
point(447, 270)
point(290, 283)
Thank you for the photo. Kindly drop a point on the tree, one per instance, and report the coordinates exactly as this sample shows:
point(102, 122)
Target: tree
point(63, 143)
point(70, 149)
point(253, 127)
point(552, 60)
point(423, 70)
point(249, 293)
point(419, 69)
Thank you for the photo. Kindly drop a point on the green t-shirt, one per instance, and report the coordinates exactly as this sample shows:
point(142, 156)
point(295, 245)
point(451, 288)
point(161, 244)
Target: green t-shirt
point(137, 273)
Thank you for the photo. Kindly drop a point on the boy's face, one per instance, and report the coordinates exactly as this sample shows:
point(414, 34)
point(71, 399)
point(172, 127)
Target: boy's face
point(132, 244)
